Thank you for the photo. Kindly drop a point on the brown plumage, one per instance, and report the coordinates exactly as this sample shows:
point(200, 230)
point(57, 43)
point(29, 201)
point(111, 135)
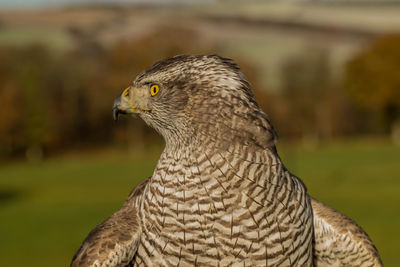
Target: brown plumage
point(339, 241)
point(114, 241)
point(220, 194)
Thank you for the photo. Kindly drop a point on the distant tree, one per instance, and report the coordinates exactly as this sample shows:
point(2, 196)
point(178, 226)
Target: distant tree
point(52, 100)
point(306, 80)
point(11, 115)
point(372, 79)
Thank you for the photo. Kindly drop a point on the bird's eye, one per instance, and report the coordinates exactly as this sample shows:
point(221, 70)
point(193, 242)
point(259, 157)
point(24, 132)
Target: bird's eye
point(154, 89)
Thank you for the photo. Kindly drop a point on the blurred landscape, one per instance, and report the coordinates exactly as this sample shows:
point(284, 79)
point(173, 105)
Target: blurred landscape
point(327, 74)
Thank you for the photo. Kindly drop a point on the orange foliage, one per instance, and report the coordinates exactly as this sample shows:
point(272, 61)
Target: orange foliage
point(54, 101)
point(373, 76)
point(373, 81)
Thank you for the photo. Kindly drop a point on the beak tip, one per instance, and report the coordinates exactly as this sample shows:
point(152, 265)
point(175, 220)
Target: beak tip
point(116, 110)
point(115, 114)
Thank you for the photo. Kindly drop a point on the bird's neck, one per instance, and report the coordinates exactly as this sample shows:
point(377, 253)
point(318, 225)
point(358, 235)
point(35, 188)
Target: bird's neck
point(229, 165)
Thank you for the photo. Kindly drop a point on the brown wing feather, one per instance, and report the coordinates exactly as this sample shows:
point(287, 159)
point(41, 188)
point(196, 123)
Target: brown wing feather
point(113, 242)
point(339, 241)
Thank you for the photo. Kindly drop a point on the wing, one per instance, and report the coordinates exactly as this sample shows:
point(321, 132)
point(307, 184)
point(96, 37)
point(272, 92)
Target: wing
point(339, 241)
point(113, 242)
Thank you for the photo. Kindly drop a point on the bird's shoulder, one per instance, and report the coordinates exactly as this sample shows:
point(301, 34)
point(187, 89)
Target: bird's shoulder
point(135, 196)
point(114, 242)
point(340, 241)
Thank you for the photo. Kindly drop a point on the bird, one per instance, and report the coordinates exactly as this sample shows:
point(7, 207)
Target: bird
point(220, 194)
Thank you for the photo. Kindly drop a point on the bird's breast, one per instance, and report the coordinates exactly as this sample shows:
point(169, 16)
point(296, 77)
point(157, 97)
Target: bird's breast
point(194, 215)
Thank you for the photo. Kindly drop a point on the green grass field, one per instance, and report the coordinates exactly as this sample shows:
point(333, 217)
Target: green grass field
point(48, 208)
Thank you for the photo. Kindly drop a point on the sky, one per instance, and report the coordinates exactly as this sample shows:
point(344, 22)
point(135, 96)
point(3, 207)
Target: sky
point(35, 3)
point(55, 3)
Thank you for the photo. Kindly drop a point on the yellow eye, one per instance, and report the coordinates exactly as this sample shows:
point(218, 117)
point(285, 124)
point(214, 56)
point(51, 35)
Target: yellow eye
point(154, 89)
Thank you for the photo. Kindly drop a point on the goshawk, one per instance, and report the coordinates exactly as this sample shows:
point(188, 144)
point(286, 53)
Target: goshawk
point(219, 195)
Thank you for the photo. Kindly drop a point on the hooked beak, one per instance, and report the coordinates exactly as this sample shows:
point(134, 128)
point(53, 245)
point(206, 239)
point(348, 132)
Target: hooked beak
point(121, 105)
point(130, 101)
point(116, 108)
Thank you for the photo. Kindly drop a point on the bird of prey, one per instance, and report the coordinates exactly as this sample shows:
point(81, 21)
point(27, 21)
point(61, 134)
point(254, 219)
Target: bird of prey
point(219, 195)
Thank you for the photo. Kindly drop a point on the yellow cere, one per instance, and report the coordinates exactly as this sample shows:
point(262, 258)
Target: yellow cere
point(154, 89)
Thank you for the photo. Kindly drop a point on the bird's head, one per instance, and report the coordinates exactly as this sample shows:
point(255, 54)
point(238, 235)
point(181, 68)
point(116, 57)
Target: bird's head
point(193, 98)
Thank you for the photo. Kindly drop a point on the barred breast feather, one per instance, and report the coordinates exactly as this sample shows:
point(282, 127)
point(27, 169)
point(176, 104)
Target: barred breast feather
point(225, 208)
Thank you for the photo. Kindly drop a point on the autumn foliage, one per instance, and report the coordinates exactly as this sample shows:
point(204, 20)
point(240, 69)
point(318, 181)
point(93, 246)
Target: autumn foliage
point(373, 80)
point(53, 101)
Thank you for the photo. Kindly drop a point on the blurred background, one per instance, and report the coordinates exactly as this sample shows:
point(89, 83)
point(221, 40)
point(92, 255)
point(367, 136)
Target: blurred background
point(326, 72)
